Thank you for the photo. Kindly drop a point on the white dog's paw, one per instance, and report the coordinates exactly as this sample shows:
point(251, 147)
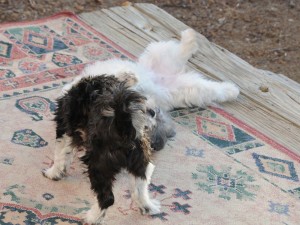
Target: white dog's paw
point(189, 41)
point(188, 35)
point(53, 173)
point(94, 216)
point(228, 92)
point(151, 207)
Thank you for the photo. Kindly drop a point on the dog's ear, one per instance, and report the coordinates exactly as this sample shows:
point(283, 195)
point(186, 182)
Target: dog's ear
point(138, 116)
point(130, 113)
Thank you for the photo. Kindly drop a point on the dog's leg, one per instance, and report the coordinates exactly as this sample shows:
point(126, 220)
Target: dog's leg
point(101, 177)
point(170, 57)
point(63, 155)
point(140, 193)
point(190, 89)
point(188, 45)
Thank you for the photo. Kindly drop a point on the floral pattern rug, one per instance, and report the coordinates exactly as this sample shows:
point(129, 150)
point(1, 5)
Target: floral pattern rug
point(217, 170)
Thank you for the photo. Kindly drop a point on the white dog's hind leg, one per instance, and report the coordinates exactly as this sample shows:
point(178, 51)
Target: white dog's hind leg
point(63, 155)
point(191, 89)
point(188, 44)
point(140, 193)
point(170, 57)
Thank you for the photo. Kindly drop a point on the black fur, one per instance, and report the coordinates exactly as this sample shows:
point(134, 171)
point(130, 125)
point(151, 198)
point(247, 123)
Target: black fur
point(97, 113)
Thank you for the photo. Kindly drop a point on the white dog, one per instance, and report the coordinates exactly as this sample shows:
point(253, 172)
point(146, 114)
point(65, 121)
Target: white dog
point(163, 76)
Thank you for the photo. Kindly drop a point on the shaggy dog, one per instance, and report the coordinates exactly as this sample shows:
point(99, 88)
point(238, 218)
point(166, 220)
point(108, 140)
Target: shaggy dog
point(110, 121)
point(114, 122)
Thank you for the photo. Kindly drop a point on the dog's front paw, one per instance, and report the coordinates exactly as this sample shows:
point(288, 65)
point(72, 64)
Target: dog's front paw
point(151, 207)
point(53, 173)
point(94, 216)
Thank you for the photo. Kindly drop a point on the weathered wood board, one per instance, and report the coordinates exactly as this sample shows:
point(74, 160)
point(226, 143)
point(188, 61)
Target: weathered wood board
point(275, 112)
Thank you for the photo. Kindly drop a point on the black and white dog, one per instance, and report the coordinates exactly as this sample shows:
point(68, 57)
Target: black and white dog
point(110, 117)
point(110, 121)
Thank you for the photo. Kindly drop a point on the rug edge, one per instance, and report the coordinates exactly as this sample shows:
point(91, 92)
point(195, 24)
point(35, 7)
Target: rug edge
point(258, 134)
point(43, 19)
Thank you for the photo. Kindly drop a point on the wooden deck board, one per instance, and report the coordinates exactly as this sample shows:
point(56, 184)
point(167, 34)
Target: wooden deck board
point(275, 113)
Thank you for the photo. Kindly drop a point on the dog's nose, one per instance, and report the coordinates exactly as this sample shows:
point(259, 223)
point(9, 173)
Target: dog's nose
point(158, 144)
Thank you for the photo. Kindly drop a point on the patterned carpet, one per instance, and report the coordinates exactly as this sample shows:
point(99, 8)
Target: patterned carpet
point(217, 170)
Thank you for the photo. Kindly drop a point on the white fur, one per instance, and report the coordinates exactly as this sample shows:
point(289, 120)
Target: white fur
point(140, 193)
point(162, 75)
point(95, 215)
point(63, 155)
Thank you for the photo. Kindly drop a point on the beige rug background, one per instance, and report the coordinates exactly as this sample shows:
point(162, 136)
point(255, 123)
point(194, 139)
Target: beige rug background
point(217, 170)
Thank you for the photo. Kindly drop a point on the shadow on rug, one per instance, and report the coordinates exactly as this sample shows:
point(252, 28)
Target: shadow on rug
point(217, 170)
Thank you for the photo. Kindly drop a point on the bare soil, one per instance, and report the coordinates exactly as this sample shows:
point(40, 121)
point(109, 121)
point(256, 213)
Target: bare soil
point(265, 33)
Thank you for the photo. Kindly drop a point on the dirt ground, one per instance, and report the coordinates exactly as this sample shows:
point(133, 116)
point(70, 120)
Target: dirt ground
point(265, 33)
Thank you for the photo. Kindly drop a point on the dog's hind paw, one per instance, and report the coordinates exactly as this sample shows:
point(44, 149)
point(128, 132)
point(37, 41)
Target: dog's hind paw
point(189, 41)
point(228, 92)
point(53, 174)
point(189, 35)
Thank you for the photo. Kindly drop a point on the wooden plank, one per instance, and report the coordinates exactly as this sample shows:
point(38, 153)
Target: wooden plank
point(255, 109)
point(149, 26)
point(115, 17)
point(114, 31)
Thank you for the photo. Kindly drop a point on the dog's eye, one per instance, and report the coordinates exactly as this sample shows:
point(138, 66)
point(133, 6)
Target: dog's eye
point(151, 112)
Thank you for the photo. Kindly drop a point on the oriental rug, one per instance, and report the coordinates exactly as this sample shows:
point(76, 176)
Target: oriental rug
point(216, 170)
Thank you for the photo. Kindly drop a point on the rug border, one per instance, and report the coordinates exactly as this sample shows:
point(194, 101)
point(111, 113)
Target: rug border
point(38, 212)
point(258, 134)
point(78, 19)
